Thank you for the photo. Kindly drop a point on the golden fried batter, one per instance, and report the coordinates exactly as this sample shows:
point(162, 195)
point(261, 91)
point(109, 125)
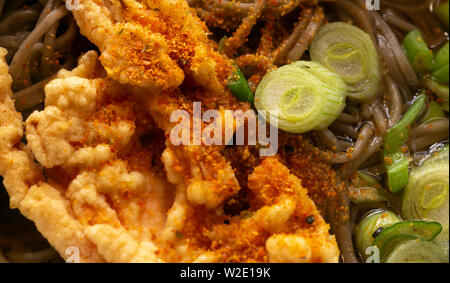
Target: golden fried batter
point(106, 195)
point(152, 44)
point(273, 229)
point(183, 46)
point(25, 184)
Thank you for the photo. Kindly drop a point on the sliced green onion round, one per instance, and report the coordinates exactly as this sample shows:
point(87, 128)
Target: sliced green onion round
point(301, 97)
point(349, 52)
point(426, 197)
point(442, 56)
point(399, 133)
point(420, 56)
point(367, 194)
point(365, 188)
point(441, 91)
point(368, 180)
point(395, 160)
point(371, 225)
point(441, 65)
point(434, 113)
point(441, 75)
point(442, 13)
point(390, 238)
point(397, 171)
point(416, 251)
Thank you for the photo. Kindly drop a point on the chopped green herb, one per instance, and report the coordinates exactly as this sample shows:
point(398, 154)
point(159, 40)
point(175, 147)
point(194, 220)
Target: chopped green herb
point(145, 48)
point(246, 214)
point(239, 86)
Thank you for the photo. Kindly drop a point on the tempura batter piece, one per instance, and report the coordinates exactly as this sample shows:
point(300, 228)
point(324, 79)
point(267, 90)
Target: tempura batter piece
point(87, 138)
point(152, 44)
point(281, 225)
point(107, 197)
point(287, 206)
point(207, 176)
point(16, 166)
point(157, 46)
point(37, 200)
